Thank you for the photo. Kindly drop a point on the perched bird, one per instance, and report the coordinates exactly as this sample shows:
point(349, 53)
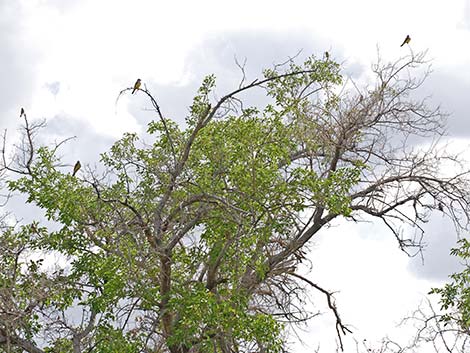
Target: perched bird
point(22, 113)
point(136, 85)
point(327, 55)
point(406, 41)
point(76, 167)
point(440, 206)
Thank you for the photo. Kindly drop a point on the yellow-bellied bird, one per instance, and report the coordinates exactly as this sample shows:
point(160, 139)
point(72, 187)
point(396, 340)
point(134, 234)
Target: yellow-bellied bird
point(406, 41)
point(22, 113)
point(76, 167)
point(136, 85)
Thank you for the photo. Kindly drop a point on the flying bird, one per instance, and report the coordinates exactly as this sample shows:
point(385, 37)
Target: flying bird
point(76, 167)
point(22, 113)
point(136, 85)
point(406, 41)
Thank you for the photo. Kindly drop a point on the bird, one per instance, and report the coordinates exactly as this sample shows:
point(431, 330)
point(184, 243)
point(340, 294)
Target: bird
point(136, 85)
point(406, 41)
point(22, 113)
point(440, 206)
point(327, 55)
point(76, 167)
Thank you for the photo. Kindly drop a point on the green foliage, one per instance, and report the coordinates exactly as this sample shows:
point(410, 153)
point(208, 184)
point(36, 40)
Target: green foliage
point(201, 103)
point(230, 195)
point(60, 346)
point(111, 340)
point(287, 89)
point(205, 315)
point(22, 281)
point(455, 296)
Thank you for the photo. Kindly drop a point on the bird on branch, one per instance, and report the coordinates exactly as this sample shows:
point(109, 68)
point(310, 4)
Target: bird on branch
point(136, 85)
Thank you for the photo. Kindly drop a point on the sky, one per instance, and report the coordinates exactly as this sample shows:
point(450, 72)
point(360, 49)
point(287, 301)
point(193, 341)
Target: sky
point(66, 61)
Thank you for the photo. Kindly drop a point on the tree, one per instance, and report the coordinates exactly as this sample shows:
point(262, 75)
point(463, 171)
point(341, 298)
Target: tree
point(191, 243)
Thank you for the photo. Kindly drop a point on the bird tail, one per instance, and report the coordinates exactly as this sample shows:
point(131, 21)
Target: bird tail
point(133, 91)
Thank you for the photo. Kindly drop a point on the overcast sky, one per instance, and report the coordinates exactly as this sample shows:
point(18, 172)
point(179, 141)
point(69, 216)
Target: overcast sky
point(66, 61)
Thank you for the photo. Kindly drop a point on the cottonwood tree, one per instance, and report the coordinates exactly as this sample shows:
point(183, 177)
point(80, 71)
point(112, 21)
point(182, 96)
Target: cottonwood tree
point(191, 241)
